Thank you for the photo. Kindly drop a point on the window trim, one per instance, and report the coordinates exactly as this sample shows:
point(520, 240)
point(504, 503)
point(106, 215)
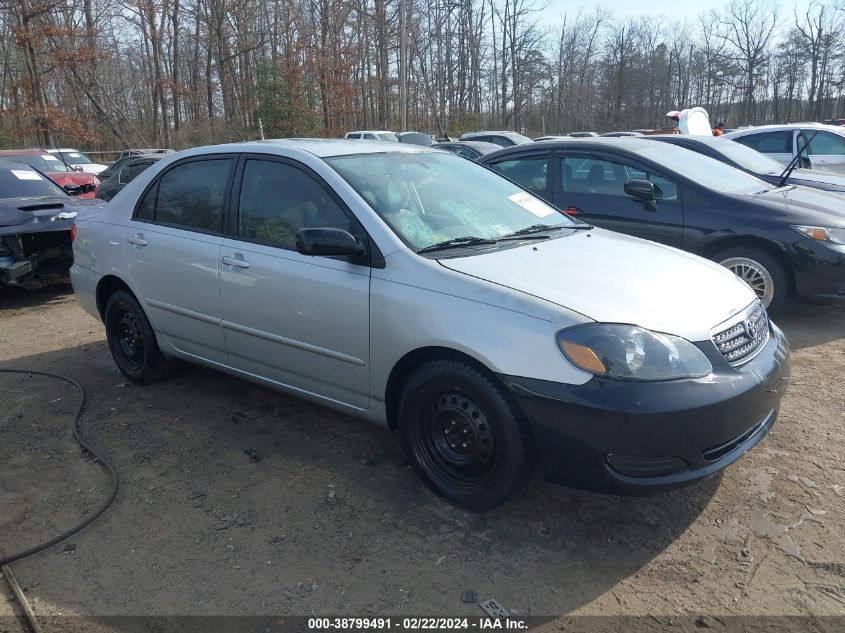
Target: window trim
point(189, 159)
point(372, 257)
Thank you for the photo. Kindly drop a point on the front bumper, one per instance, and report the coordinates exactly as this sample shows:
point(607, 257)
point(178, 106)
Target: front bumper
point(820, 270)
point(638, 438)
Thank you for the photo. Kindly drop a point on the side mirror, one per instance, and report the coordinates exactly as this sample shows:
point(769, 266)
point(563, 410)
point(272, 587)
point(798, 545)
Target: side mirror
point(328, 242)
point(640, 188)
point(78, 168)
point(72, 190)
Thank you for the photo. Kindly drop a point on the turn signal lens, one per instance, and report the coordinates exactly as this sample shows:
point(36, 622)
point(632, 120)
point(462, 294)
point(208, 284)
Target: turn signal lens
point(583, 357)
point(822, 233)
point(73, 231)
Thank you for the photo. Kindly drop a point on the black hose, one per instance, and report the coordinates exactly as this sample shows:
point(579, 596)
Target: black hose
point(106, 464)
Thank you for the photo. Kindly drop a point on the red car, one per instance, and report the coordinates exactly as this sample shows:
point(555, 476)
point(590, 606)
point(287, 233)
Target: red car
point(75, 183)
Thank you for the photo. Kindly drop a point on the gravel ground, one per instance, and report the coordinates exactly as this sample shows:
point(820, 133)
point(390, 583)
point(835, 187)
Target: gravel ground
point(332, 521)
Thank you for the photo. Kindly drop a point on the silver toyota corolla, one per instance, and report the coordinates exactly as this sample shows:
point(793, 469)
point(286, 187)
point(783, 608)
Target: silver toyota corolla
point(420, 291)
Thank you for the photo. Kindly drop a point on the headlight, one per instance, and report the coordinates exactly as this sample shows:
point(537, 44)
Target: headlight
point(628, 352)
point(822, 233)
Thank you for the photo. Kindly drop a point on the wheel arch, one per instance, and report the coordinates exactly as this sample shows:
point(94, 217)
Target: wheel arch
point(107, 286)
point(406, 365)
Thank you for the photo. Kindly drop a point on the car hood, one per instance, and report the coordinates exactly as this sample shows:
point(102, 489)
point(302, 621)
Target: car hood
point(614, 278)
point(62, 178)
point(804, 205)
point(818, 176)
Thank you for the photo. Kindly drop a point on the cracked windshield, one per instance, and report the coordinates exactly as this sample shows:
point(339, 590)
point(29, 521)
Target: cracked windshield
point(426, 198)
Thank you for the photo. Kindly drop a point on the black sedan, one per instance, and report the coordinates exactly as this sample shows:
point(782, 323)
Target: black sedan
point(469, 149)
point(36, 217)
point(753, 162)
point(124, 174)
point(780, 240)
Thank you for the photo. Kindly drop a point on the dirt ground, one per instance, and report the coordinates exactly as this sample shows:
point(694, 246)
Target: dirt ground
point(332, 521)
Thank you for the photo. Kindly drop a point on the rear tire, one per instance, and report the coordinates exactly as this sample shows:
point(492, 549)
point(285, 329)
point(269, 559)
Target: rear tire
point(132, 341)
point(761, 270)
point(463, 437)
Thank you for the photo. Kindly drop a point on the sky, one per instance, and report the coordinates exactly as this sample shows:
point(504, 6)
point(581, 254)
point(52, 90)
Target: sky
point(622, 8)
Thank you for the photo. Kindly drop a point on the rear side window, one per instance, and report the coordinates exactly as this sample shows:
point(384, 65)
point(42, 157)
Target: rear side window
point(191, 195)
point(278, 199)
point(530, 172)
point(769, 142)
point(353, 136)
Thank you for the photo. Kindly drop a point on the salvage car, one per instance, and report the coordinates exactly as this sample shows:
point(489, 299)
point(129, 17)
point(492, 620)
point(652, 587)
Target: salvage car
point(782, 241)
point(754, 163)
point(126, 173)
point(423, 292)
point(75, 183)
point(36, 217)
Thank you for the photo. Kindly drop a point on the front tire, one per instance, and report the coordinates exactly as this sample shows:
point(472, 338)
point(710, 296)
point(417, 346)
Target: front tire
point(760, 270)
point(463, 437)
point(132, 341)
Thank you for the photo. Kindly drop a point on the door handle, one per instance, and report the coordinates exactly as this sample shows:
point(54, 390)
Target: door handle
point(137, 239)
point(236, 260)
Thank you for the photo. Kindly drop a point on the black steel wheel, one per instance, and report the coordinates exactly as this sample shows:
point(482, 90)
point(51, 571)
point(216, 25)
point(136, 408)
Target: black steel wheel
point(132, 341)
point(463, 436)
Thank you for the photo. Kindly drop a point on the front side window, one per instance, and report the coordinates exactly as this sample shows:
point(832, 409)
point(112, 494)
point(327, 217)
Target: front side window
point(430, 197)
point(602, 177)
point(531, 172)
point(769, 142)
point(825, 143)
point(278, 199)
point(191, 195)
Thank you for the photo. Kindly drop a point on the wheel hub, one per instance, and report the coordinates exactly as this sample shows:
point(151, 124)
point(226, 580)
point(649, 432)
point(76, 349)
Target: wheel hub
point(755, 275)
point(129, 335)
point(459, 435)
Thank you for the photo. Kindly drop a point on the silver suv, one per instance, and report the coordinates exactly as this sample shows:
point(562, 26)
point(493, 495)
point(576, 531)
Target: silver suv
point(423, 292)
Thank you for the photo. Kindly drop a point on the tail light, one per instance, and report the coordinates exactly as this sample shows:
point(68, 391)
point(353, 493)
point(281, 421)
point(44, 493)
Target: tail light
point(73, 231)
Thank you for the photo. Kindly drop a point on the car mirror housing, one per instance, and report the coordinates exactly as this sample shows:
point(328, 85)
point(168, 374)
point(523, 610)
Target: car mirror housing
point(640, 188)
point(328, 242)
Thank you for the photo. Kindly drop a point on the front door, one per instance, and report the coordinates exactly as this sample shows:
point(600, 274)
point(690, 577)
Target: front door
point(592, 189)
point(826, 150)
point(172, 247)
point(296, 320)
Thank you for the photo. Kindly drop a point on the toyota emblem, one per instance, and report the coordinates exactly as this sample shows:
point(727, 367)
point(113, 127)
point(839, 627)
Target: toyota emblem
point(750, 328)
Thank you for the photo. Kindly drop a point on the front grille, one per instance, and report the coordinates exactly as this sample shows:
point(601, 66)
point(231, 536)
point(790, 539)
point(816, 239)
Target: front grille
point(739, 343)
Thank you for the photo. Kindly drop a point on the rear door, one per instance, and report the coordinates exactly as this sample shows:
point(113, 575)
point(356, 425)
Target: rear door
point(826, 150)
point(592, 189)
point(297, 320)
point(172, 245)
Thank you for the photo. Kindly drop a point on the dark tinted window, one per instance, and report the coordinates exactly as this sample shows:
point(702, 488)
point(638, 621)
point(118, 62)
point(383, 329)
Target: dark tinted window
point(131, 172)
point(192, 195)
point(278, 199)
point(23, 182)
point(769, 142)
point(530, 172)
point(147, 206)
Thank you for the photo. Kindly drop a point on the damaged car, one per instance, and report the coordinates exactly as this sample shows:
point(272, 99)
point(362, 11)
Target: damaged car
point(36, 217)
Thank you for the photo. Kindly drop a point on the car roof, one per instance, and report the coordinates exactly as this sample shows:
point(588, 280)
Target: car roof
point(319, 147)
point(62, 149)
point(784, 127)
point(596, 142)
point(9, 165)
point(479, 145)
point(371, 132)
point(487, 132)
point(22, 152)
point(695, 138)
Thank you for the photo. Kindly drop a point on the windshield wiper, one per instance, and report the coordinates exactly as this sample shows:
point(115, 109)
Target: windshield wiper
point(543, 228)
point(457, 242)
point(790, 167)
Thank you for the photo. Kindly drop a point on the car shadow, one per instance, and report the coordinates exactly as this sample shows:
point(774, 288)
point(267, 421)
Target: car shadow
point(237, 499)
point(17, 298)
point(810, 324)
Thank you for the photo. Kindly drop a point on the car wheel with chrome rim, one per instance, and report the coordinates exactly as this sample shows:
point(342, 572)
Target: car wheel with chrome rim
point(762, 271)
